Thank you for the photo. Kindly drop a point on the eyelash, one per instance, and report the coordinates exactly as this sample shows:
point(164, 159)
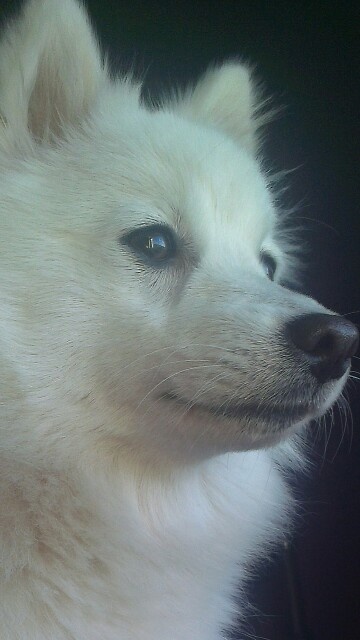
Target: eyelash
point(158, 246)
point(269, 264)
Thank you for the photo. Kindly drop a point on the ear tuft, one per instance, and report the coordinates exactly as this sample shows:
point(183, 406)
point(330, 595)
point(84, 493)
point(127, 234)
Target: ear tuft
point(226, 98)
point(50, 69)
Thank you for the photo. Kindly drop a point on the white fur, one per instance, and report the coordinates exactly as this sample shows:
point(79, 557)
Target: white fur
point(125, 514)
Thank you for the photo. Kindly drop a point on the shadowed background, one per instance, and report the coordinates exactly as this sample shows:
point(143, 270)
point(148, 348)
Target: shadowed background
point(307, 54)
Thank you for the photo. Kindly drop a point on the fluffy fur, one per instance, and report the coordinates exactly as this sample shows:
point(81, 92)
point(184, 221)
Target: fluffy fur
point(132, 500)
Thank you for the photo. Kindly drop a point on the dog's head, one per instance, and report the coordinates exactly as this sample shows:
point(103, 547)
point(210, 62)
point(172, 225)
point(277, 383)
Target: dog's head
point(146, 261)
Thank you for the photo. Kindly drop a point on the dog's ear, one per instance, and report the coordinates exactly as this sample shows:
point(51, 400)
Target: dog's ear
point(226, 98)
point(50, 70)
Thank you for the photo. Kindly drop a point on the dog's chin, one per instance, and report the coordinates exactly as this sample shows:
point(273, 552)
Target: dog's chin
point(252, 425)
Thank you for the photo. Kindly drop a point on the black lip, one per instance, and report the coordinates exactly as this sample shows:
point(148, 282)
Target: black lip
point(262, 411)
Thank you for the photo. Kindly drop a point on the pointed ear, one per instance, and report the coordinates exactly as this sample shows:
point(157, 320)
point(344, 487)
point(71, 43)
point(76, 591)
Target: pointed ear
point(50, 70)
point(225, 97)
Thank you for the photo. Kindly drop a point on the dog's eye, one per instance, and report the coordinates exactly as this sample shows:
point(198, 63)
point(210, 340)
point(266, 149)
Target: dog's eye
point(156, 243)
point(269, 264)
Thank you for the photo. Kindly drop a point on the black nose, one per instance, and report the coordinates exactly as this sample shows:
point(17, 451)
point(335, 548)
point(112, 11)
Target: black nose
point(328, 341)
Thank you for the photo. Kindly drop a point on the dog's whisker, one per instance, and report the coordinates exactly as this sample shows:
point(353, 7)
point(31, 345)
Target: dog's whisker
point(170, 377)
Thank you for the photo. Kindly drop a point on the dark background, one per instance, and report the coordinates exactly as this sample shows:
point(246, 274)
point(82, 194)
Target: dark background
point(307, 54)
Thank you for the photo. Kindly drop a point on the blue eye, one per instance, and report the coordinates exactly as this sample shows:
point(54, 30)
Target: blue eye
point(269, 264)
point(156, 244)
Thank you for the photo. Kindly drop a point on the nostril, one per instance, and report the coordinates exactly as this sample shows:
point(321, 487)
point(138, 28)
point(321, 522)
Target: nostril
point(328, 342)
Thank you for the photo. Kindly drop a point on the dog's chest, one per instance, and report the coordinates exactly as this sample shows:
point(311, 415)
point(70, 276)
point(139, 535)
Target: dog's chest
point(167, 558)
point(149, 560)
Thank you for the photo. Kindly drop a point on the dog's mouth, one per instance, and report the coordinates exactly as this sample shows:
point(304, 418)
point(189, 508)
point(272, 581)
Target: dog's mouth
point(280, 415)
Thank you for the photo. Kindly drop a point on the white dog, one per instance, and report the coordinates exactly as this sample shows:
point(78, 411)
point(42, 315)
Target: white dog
point(155, 373)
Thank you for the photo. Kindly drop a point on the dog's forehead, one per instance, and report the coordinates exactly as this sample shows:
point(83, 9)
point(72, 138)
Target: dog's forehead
point(162, 168)
point(199, 178)
point(228, 196)
point(224, 194)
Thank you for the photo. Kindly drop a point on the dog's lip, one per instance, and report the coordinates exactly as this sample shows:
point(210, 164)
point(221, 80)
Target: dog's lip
point(282, 412)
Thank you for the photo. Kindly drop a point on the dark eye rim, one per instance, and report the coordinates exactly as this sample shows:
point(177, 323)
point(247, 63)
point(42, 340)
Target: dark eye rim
point(134, 238)
point(268, 261)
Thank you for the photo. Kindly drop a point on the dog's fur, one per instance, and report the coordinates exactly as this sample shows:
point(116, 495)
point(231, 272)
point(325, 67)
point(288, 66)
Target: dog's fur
point(140, 468)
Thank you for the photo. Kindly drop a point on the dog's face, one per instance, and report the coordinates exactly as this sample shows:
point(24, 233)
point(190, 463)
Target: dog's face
point(202, 357)
point(158, 318)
